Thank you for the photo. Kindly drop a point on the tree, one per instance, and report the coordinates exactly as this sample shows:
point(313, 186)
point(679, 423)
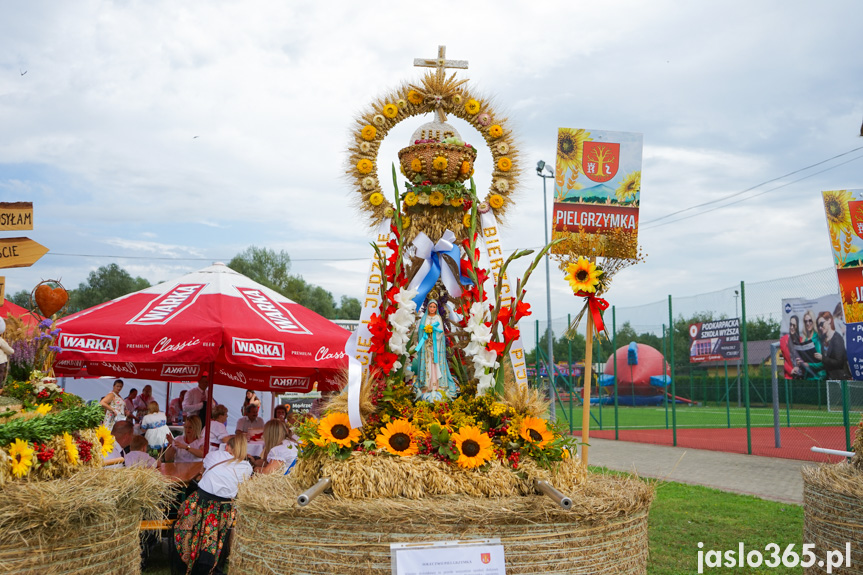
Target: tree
point(272, 269)
point(21, 298)
point(104, 284)
point(350, 308)
point(762, 328)
point(561, 349)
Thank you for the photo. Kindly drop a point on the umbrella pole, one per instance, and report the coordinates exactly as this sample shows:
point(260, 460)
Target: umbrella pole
point(209, 409)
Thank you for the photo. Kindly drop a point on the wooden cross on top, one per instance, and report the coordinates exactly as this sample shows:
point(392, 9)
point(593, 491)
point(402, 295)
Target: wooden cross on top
point(441, 63)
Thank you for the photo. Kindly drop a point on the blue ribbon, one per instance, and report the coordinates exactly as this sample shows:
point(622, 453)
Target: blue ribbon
point(435, 267)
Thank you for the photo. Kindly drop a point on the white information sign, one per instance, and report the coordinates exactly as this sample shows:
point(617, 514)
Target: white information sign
point(471, 557)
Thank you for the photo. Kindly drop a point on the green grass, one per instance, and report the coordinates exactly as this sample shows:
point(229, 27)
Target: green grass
point(649, 417)
point(684, 515)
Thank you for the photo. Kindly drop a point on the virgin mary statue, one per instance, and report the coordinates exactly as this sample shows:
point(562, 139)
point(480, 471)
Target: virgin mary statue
point(433, 381)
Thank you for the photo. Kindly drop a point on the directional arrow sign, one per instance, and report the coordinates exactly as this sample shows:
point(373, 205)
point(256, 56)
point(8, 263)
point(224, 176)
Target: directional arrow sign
point(16, 216)
point(20, 252)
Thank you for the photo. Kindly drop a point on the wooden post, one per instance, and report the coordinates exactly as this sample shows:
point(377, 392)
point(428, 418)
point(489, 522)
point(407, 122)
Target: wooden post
point(585, 406)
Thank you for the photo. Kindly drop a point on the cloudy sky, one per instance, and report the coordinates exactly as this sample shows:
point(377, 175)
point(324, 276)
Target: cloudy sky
point(163, 136)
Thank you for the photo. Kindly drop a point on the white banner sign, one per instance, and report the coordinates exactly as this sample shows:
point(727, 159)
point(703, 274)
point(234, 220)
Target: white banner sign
point(473, 557)
point(491, 258)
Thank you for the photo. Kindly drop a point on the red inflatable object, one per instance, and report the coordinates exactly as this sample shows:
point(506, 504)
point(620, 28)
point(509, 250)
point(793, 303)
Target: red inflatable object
point(635, 379)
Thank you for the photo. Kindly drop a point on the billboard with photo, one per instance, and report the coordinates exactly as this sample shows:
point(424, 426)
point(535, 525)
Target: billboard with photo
point(812, 339)
point(714, 340)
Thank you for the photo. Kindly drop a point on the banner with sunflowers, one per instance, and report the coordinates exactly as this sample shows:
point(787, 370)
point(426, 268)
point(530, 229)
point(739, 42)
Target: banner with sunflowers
point(597, 188)
point(844, 210)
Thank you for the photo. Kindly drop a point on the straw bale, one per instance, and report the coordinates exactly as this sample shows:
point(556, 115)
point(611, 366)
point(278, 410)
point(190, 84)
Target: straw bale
point(857, 447)
point(84, 524)
point(367, 475)
point(606, 532)
point(833, 512)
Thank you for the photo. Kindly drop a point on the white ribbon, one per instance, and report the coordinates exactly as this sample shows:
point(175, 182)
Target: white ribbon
point(359, 360)
point(490, 237)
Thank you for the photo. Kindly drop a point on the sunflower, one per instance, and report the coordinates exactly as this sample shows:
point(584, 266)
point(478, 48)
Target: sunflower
point(106, 439)
point(336, 428)
point(71, 448)
point(439, 163)
point(22, 457)
point(436, 198)
point(583, 275)
point(376, 199)
point(495, 131)
point(495, 201)
point(504, 164)
point(368, 133)
point(838, 216)
point(391, 110)
point(43, 408)
point(474, 447)
point(364, 166)
point(415, 97)
point(472, 107)
point(630, 186)
point(416, 165)
point(398, 438)
point(570, 144)
point(411, 199)
point(535, 430)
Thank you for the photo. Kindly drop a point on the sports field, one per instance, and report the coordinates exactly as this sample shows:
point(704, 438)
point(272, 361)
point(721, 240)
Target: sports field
point(656, 417)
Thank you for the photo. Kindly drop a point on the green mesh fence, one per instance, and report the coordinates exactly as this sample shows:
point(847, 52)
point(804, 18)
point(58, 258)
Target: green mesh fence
point(727, 406)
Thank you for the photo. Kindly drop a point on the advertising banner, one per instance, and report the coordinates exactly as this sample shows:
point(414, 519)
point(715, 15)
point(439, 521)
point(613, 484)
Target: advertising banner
point(597, 187)
point(812, 339)
point(714, 340)
point(844, 211)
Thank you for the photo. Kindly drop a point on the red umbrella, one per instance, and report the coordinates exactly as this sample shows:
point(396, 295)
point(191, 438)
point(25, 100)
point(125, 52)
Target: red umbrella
point(216, 320)
point(27, 318)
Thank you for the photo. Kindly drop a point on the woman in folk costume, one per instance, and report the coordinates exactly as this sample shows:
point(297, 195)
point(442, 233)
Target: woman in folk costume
point(433, 381)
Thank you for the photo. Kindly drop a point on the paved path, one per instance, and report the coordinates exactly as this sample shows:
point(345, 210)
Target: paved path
point(765, 477)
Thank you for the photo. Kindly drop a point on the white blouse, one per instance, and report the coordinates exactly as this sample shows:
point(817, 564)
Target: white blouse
point(183, 456)
point(218, 430)
point(155, 428)
point(285, 452)
point(223, 480)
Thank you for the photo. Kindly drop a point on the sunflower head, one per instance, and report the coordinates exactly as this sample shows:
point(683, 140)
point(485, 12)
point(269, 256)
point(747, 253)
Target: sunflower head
point(836, 207)
point(336, 428)
point(535, 430)
point(570, 144)
point(106, 439)
point(630, 186)
point(474, 447)
point(583, 275)
point(71, 449)
point(43, 408)
point(21, 456)
point(398, 438)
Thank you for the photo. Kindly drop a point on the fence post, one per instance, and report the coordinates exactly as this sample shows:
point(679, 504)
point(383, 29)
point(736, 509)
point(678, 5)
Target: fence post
point(846, 420)
point(673, 385)
point(787, 405)
point(746, 367)
point(536, 349)
point(664, 372)
point(727, 396)
point(614, 348)
point(774, 380)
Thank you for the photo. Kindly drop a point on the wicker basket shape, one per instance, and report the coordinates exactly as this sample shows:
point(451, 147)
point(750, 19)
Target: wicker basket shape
point(454, 154)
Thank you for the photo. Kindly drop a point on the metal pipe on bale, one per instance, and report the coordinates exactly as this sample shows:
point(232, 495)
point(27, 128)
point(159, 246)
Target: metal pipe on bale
point(309, 494)
point(548, 489)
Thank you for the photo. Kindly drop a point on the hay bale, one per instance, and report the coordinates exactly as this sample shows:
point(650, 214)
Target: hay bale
point(85, 524)
point(833, 512)
point(606, 532)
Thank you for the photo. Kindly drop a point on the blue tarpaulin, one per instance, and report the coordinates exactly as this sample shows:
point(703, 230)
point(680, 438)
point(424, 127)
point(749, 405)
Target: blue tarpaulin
point(632, 353)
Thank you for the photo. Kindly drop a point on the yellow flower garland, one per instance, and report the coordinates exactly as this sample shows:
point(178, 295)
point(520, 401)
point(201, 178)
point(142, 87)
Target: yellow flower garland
point(376, 199)
point(495, 201)
point(365, 166)
point(472, 107)
point(415, 97)
point(368, 133)
point(391, 111)
point(504, 164)
point(495, 131)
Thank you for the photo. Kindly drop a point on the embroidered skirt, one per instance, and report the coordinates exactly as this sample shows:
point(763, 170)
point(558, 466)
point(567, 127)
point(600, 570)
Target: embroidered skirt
point(202, 528)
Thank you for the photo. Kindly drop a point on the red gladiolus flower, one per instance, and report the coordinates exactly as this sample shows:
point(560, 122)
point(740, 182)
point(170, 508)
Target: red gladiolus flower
point(504, 314)
point(385, 361)
point(510, 333)
point(496, 346)
point(522, 309)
